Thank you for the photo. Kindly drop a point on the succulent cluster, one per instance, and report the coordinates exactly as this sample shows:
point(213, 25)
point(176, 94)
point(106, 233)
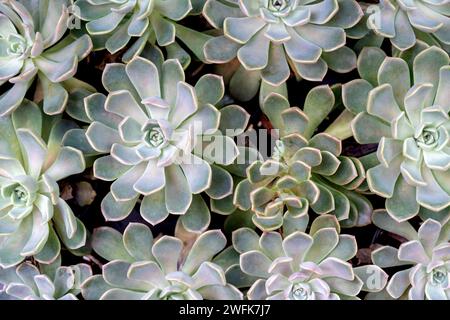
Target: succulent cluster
point(180, 150)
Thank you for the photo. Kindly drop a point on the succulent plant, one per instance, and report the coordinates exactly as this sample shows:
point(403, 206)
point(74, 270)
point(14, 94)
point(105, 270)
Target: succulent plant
point(33, 217)
point(142, 268)
point(304, 266)
point(31, 46)
point(157, 143)
point(113, 24)
point(424, 259)
point(26, 282)
point(272, 37)
point(403, 22)
point(162, 145)
point(405, 110)
point(305, 171)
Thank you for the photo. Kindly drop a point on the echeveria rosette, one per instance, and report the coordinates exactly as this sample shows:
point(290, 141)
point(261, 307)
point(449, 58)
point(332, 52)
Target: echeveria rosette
point(143, 268)
point(162, 140)
point(33, 217)
point(305, 171)
point(303, 266)
point(424, 260)
point(405, 110)
point(26, 282)
point(113, 24)
point(405, 21)
point(272, 37)
point(31, 46)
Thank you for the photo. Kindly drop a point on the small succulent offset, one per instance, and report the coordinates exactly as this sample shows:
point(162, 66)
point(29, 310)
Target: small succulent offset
point(305, 266)
point(33, 217)
point(142, 268)
point(113, 24)
point(31, 46)
point(425, 255)
point(272, 37)
point(405, 21)
point(406, 111)
point(305, 171)
point(161, 138)
point(26, 282)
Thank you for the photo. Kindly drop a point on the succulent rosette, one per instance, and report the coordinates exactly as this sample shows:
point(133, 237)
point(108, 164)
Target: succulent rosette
point(305, 171)
point(114, 24)
point(27, 282)
point(143, 268)
point(405, 21)
point(33, 217)
point(302, 266)
point(162, 139)
point(272, 37)
point(423, 260)
point(32, 46)
point(405, 110)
